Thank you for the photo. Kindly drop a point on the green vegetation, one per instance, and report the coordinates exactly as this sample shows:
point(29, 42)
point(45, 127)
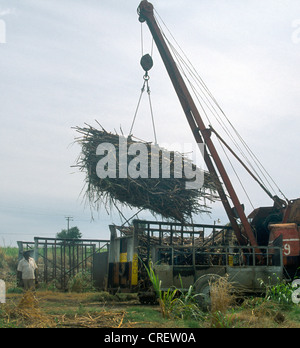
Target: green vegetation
point(175, 303)
point(72, 233)
point(281, 292)
point(224, 310)
point(8, 263)
point(81, 282)
point(8, 257)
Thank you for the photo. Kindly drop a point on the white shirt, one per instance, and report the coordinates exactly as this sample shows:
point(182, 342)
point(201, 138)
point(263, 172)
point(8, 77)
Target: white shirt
point(27, 268)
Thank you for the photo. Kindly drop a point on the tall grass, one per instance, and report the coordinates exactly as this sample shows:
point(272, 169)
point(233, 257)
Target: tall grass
point(165, 299)
point(281, 292)
point(9, 251)
point(221, 296)
point(81, 282)
point(174, 302)
point(8, 258)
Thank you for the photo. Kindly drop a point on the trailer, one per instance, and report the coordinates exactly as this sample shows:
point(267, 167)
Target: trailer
point(185, 255)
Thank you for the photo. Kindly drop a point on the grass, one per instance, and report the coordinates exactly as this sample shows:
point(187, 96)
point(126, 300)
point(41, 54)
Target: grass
point(74, 309)
point(8, 257)
point(9, 252)
point(144, 316)
point(221, 300)
point(280, 292)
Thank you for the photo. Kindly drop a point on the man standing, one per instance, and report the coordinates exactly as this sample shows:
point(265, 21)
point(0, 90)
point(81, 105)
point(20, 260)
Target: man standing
point(27, 271)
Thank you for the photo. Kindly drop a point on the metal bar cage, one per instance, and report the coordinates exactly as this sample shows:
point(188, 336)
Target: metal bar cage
point(59, 260)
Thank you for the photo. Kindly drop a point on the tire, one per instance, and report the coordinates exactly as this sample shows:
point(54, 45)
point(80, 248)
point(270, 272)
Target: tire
point(202, 290)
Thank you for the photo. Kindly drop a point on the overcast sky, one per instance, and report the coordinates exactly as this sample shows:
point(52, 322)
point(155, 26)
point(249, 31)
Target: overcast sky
point(67, 62)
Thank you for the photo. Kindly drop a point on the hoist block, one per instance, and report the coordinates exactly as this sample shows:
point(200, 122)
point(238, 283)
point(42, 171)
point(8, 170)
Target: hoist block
point(147, 62)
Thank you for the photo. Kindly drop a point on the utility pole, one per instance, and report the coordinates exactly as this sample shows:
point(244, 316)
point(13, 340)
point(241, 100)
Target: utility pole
point(68, 218)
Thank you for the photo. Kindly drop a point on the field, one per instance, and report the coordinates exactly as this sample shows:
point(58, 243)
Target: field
point(50, 308)
point(100, 310)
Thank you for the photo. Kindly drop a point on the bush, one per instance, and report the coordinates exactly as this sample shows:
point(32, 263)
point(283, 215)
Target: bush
point(281, 292)
point(81, 282)
point(9, 258)
point(186, 306)
point(221, 295)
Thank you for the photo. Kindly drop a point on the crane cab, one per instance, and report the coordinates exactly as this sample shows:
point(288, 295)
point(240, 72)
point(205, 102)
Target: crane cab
point(288, 236)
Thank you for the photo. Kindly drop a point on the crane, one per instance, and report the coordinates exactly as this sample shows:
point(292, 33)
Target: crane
point(286, 211)
point(269, 237)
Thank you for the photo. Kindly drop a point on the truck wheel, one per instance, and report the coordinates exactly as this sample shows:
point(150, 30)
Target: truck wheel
point(202, 290)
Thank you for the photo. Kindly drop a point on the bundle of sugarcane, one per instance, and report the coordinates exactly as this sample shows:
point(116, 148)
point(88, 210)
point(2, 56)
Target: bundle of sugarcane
point(138, 174)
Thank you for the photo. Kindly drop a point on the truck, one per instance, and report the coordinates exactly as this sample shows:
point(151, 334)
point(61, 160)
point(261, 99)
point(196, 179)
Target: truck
point(263, 246)
point(184, 255)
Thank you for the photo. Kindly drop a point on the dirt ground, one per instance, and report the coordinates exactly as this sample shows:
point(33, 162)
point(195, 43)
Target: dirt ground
point(71, 310)
point(48, 309)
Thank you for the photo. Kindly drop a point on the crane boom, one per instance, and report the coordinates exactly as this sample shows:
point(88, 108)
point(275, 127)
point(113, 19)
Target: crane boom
point(200, 131)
